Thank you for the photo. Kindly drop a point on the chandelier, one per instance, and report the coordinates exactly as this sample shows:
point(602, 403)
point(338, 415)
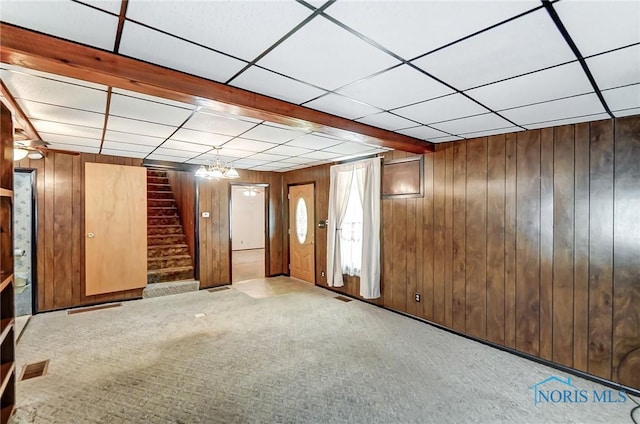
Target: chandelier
point(217, 170)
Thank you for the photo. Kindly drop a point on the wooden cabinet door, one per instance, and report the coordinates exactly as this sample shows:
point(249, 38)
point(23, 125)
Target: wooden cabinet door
point(301, 233)
point(115, 228)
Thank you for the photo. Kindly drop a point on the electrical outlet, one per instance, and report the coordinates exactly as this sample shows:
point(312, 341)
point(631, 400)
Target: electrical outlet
point(417, 297)
point(322, 274)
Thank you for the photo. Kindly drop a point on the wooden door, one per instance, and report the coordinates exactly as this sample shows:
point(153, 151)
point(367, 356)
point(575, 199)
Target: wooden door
point(115, 228)
point(302, 233)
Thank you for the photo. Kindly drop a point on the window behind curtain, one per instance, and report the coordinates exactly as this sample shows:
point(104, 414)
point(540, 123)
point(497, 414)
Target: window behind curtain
point(351, 233)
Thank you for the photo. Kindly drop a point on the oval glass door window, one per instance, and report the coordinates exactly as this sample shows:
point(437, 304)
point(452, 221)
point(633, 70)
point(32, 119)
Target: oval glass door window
point(301, 220)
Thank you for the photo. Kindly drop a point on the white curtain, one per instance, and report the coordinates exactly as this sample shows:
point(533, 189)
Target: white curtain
point(360, 236)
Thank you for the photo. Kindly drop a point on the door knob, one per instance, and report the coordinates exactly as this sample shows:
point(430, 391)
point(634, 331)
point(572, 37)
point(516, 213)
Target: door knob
point(91, 235)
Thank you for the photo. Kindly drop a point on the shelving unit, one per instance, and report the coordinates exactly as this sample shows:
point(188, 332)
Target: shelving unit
point(7, 308)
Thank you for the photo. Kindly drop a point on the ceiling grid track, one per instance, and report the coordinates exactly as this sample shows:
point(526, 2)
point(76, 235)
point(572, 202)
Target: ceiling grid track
point(572, 45)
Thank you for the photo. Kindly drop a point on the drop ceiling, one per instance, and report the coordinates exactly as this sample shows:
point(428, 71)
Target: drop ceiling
point(433, 70)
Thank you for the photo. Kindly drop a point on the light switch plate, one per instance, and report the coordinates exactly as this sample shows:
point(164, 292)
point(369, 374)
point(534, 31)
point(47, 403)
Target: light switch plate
point(206, 214)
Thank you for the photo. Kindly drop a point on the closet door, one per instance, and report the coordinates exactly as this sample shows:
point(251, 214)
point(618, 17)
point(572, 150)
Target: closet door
point(115, 228)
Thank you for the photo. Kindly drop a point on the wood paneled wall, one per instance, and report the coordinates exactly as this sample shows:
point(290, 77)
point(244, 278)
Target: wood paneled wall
point(60, 237)
point(214, 197)
point(183, 185)
point(528, 240)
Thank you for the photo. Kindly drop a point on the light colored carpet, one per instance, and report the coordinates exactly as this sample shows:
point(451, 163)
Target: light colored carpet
point(298, 357)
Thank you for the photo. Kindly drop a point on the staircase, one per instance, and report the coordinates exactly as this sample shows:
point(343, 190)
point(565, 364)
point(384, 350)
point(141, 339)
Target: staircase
point(168, 256)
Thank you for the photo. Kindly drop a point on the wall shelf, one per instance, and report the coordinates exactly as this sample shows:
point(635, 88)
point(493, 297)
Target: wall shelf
point(7, 305)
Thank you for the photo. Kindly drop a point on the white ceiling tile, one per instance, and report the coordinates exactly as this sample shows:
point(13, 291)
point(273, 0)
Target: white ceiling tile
point(64, 19)
point(596, 26)
point(138, 148)
point(198, 161)
point(386, 121)
point(445, 139)
point(326, 55)
point(234, 153)
point(248, 145)
point(124, 153)
point(487, 121)
point(217, 124)
point(70, 140)
point(112, 6)
point(421, 26)
point(266, 168)
point(422, 132)
point(350, 148)
point(267, 157)
point(187, 147)
point(133, 126)
point(274, 85)
point(52, 76)
point(297, 161)
point(134, 108)
point(248, 163)
point(167, 158)
point(64, 115)
point(66, 129)
point(222, 158)
point(526, 44)
point(155, 47)
point(626, 112)
point(320, 155)
point(287, 150)
point(222, 24)
point(623, 97)
point(153, 98)
point(442, 109)
point(271, 134)
point(558, 109)
point(129, 138)
point(175, 153)
point(74, 148)
point(44, 90)
point(200, 137)
point(562, 81)
point(398, 87)
point(342, 106)
point(492, 132)
point(313, 141)
point(617, 68)
point(574, 120)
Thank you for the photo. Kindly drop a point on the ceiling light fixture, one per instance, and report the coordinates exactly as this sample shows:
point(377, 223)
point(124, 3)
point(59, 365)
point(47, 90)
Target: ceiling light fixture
point(35, 155)
point(217, 170)
point(19, 154)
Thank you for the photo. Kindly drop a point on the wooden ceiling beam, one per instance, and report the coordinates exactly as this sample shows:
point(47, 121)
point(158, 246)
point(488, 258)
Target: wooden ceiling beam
point(33, 50)
point(18, 114)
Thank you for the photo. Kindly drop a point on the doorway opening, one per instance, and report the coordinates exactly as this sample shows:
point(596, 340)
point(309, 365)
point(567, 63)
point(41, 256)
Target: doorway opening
point(302, 254)
point(25, 246)
point(249, 231)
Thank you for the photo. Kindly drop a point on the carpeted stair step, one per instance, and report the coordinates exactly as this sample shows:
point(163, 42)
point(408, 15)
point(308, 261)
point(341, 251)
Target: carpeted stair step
point(167, 250)
point(159, 211)
point(166, 239)
point(162, 230)
point(153, 194)
point(169, 274)
point(157, 180)
point(168, 262)
point(166, 289)
point(161, 203)
point(158, 187)
point(163, 220)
